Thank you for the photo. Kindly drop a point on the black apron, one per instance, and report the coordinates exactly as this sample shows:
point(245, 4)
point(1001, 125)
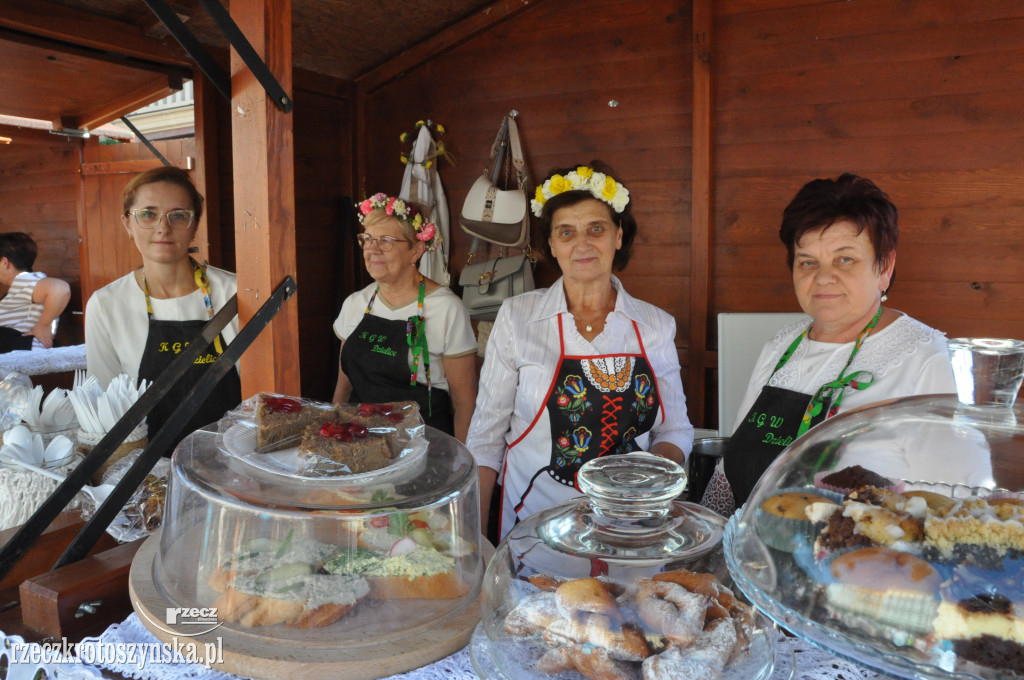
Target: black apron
point(165, 341)
point(779, 416)
point(375, 358)
point(771, 425)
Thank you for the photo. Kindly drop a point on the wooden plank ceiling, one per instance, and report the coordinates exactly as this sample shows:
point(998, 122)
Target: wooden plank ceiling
point(83, 63)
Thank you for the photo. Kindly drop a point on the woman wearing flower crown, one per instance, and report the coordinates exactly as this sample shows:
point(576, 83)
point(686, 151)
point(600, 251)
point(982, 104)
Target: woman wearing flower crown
point(405, 337)
point(578, 370)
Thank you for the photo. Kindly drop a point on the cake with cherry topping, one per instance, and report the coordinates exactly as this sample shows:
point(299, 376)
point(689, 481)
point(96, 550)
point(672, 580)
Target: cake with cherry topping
point(399, 415)
point(278, 417)
point(338, 448)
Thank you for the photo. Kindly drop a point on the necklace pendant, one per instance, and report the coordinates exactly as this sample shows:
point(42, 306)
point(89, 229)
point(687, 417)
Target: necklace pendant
point(590, 329)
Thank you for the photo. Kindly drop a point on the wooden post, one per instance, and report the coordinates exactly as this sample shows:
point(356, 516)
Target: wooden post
point(701, 211)
point(264, 210)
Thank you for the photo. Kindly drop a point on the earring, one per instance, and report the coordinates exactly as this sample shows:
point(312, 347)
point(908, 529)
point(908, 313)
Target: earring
point(884, 296)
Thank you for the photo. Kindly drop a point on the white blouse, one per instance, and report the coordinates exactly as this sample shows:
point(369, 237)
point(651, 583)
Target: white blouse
point(117, 323)
point(522, 358)
point(906, 357)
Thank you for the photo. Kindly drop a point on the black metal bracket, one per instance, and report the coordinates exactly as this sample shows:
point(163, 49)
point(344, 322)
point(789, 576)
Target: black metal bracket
point(32, 529)
point(144, 140)
point(192, 46)
point(230, 29)
point(163, 440)
point(222, 18)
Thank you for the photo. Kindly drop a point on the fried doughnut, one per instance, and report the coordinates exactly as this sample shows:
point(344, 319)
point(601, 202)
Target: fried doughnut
point(671, 610)
point(675, 664)
point(625, 644)
point(545, 582)
point(586, 595)
point(721, 598)
point(590, 662)
point(532, 615)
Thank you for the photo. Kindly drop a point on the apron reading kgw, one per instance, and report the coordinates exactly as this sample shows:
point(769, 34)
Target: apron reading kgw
point(596, 405)
point(779, 416)
point(375, 357)
point(165, 341)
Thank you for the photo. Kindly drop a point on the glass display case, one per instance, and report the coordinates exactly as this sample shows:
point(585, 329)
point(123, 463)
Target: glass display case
point(894, 534)
point(283, 552)
point(624, 582)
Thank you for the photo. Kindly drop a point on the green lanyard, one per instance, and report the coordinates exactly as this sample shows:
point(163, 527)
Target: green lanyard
point(416, 338)
point(858, 380)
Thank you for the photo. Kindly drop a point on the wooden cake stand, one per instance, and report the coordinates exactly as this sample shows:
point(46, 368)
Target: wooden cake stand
point(260, 657)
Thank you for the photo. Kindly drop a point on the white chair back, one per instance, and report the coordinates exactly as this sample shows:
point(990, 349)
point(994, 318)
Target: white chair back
point(740, 339)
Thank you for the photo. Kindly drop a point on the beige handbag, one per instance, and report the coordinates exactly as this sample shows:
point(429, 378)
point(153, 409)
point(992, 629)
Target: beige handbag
point(500, 216)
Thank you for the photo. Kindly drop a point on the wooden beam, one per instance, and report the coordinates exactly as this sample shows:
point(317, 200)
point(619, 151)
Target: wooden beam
point(701, 246)
point(264, 178)
point(132, 167)
point(441, 42)
point(208, 168)
point(156, 89)
point(85, 29)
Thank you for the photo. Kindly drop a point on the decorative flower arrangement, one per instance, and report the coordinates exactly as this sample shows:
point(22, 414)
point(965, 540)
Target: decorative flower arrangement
point(601, 186)
point(396, 207)
point(440, 149)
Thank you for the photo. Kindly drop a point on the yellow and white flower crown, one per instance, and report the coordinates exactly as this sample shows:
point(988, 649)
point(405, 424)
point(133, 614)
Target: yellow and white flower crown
point(601, 186)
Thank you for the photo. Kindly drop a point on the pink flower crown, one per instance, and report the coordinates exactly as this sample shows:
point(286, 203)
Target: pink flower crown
point(426, 232)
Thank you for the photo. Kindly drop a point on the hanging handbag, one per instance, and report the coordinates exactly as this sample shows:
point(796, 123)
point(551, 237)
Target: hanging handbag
point(493, 214)
point(485, 285)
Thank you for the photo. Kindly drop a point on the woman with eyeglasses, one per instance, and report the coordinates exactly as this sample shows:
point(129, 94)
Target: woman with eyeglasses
point(405, 337)
point(578, 370)
point(140, 323)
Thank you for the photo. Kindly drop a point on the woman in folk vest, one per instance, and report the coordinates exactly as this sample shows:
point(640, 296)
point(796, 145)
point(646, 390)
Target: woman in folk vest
point(578, 370)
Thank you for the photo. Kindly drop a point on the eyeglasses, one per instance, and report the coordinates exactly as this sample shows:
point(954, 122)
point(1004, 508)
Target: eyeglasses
point(594, 232)
point(385, 243)
point(176, 219)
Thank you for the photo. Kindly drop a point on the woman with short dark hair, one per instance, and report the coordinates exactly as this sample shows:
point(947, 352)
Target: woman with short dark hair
point(840, 237)
point(578, 370)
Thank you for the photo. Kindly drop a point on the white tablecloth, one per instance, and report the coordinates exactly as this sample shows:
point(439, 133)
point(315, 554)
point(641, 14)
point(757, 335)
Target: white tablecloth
point(43, 361)
point(811, 663)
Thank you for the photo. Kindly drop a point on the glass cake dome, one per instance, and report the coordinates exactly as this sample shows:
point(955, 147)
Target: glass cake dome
point(623, 580)
point(320, 562)
point(893, 534)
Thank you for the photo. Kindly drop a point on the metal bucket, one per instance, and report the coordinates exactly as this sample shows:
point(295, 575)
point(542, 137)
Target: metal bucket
point(701, 465)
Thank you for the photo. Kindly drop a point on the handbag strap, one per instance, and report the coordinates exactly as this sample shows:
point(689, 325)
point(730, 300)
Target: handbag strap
point(492, 169)
point(517, 150)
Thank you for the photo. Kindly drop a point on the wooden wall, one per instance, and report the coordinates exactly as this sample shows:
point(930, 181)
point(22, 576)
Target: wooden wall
point(922, 96)
point(38, 195)
point(324, 239)
point(560, 65)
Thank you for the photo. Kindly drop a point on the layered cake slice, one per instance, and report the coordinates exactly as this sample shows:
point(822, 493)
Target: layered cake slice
point(339, 448)
point(982, 615)
point(984, 529)
point(278, 417)
point(399, 417)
